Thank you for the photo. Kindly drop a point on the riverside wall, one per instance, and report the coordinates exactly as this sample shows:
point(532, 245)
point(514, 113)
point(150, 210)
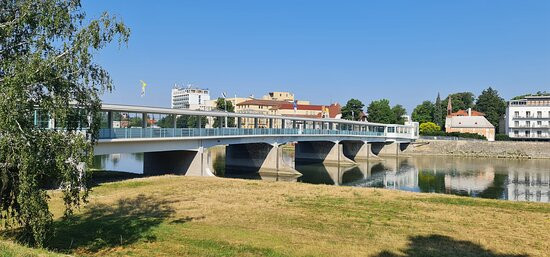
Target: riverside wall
point(497, 149)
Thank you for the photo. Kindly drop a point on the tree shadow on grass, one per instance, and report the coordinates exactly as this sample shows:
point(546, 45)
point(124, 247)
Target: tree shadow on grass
point(438, 245)
point(105, 226)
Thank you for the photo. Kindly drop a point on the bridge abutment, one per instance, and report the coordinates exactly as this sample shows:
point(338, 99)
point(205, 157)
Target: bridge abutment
point(326, 152)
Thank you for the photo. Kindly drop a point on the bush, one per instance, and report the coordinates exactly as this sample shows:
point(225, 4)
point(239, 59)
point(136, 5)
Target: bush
point(503, 137)
point(429, 127)
point(454, 134)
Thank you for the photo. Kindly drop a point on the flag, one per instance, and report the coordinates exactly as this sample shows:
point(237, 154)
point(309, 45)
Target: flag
point(143, 85)
point(295, 105)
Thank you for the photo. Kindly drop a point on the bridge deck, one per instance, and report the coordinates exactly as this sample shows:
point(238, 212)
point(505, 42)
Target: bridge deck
point(129, 133)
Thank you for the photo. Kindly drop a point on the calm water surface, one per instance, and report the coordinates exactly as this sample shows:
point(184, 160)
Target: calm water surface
point(516, 180)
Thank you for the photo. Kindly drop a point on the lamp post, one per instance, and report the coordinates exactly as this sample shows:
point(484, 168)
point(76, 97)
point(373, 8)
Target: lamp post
point(224, 95)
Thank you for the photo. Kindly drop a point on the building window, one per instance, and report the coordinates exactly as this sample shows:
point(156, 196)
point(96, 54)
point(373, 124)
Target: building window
point(516, 133)
point(528, 114)
point(516, 123)
point(539, 114)
point(539, 123)
point(539, 133)
point(516, 114)
point(528, 123)
point(527, 133)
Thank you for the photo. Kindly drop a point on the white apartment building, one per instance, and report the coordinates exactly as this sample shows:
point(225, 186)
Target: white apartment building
point(190, 98)
point(529, 118)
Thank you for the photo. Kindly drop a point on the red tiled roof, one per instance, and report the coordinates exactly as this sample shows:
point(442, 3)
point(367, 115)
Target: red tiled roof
point(465, 113)
point(290, 106)
point(334, 109)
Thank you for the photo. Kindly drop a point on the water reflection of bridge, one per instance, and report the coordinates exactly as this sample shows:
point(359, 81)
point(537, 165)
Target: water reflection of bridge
point(488, 178)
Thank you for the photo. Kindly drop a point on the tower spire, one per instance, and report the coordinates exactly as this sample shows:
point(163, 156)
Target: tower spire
point(449, 107)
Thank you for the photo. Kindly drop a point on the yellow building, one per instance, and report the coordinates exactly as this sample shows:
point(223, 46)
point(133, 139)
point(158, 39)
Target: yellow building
point(285, 108)
point(279, 96)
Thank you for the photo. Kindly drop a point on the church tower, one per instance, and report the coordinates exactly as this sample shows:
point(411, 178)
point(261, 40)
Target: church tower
point(449, 107)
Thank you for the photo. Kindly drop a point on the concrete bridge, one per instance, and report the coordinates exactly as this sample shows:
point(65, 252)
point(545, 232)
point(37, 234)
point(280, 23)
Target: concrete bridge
point(183, 148)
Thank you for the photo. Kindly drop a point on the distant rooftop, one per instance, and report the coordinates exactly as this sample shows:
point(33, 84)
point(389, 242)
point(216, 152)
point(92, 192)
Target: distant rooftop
point(468, 122)
point(531, 101)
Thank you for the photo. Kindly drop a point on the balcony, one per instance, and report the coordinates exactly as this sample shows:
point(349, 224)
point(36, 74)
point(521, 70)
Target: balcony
point(543, 136)
point(531, 127)
point(530, 117)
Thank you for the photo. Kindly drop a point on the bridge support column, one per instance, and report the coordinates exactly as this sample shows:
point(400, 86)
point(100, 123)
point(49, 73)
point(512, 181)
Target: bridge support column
point(326, 152)
point(255, 157)
point(189, 163)
point(144, 120)
point(110, 119)
point(239, 122)
point(283, 121)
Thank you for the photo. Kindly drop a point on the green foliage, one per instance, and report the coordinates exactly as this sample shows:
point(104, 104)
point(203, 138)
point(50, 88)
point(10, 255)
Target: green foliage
point(224, 105)
point(455, 134)
point(352, 110)
point(460, 101)
point(439, 112)
point(398, 113)
point(380, 112)
point(193, 121)
point(135, 122)
point(429, 127)
point(166, 121)
point(503, 137)
point(423, 112)
point(182, 121)
point(539, 93)
point(490, 103)
point(46, 65)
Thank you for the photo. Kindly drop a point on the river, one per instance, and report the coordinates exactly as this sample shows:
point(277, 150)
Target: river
point(515, 180)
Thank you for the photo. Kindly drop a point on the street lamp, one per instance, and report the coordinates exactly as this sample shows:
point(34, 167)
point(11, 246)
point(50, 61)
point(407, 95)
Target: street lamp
point(224, 95)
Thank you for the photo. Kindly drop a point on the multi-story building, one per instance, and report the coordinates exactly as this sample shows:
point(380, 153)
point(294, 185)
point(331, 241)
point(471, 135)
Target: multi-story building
point(279, 96)
point(529, 118)
point(285, 108)
point(190, 98)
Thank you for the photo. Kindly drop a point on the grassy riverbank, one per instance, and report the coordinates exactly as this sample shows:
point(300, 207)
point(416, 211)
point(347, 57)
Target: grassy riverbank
point(175, 215)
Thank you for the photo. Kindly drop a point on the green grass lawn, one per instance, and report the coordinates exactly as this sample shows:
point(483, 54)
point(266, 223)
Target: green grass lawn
point(193, 216)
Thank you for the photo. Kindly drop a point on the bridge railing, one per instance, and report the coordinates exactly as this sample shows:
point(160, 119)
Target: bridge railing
point(128, 133)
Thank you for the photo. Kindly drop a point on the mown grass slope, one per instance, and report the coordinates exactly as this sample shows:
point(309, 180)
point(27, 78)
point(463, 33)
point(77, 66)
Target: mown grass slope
point(192, 216)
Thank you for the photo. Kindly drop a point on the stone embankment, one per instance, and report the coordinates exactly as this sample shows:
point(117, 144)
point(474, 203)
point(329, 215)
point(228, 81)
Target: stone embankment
point(498, 149)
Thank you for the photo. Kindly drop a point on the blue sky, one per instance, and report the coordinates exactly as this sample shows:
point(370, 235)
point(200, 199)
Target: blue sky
point(329, 51)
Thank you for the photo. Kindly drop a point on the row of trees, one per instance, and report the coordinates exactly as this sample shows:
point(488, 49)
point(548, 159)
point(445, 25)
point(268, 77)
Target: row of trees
point(489, 102)
point(378, 111)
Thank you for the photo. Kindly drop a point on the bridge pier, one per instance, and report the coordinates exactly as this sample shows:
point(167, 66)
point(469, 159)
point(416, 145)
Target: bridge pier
point(389, 148)
point(357, 150)
point(255, 157)
point(189, 163)
point(327, 152)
